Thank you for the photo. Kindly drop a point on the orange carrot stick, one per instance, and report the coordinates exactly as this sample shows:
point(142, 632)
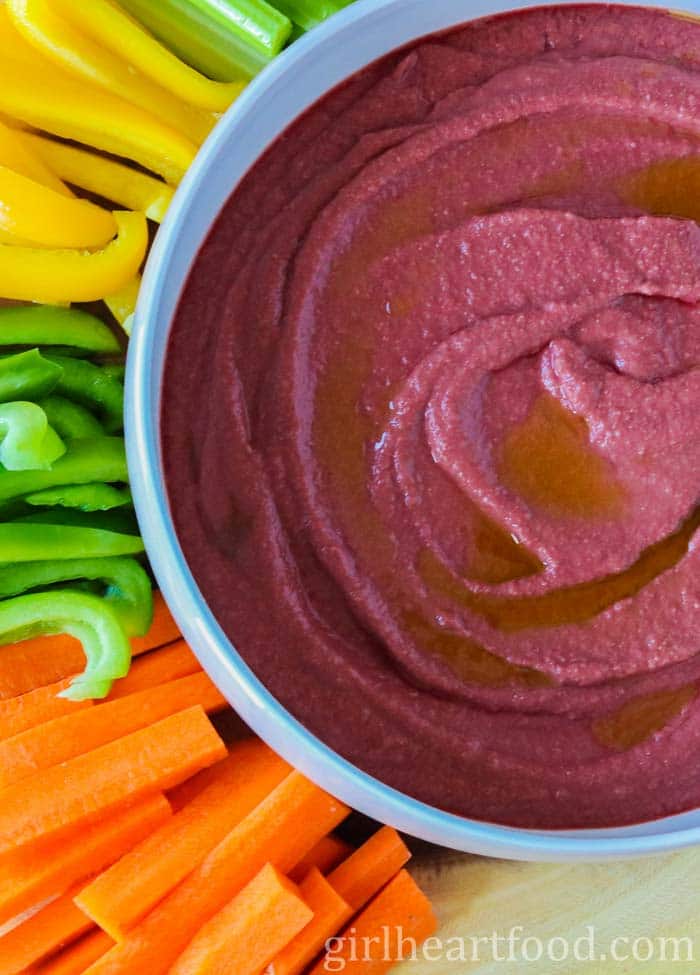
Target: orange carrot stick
point(77, 957)
point(354, 883)
point(123, 895)
point(45, 868)
point(399, 918)
point(121, 772)
point(74, 734)
point(331, 912)
point(187, 791)
point(56, 925)
point(246, 934)
point(280, 830)
point(46, 659)
point(17, 714)
point(37, 662)
point(328, 853)
point(367, 870)
point(157, 667)
point(163, 629)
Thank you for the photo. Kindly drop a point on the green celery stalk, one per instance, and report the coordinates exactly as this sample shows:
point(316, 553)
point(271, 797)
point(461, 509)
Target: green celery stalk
point(255, 21)
point(224, 39)
point(308, 14)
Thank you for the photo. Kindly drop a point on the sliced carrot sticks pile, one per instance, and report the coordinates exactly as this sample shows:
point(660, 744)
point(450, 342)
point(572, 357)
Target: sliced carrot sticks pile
point(247, 933)
point(398, 918)
point(370, 867)
point(327, 854)
point(64, 738)
point(34, 873)
point(100, 781)
point(51, 928)
point(78, 957)
point(330, 914)
point(133, 839)
point(123, 895)
point(18, 714)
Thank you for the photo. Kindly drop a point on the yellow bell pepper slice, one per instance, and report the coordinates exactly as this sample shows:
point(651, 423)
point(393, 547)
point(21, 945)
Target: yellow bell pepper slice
point(56, 276)
point(41, 23)
point(16, 155)
point(13, 123)
point(123, 303)
point(103, 177)
point(34, 214)
point(12, 44)
point(44, 97)
point(116, 30)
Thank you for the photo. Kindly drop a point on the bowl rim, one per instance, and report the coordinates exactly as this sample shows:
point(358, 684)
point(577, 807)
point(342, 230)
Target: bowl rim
point(253, 702)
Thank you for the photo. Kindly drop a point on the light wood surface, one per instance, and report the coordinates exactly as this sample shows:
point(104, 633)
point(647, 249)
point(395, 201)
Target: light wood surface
point(653, 898)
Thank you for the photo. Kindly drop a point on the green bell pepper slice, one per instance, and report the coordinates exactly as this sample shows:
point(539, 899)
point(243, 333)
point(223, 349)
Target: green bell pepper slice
point(117, 370)
point(27, 442)
point(120, 520)
point(88, 618)
point(92, 387)
point(84, 497)
point(25, 541)
point(48, 325)
point(27, 375)
point(85, 461)
point(128, 587)
point(70, 420)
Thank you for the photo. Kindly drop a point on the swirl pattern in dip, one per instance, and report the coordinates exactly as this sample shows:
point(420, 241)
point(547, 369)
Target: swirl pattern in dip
point(431, 418)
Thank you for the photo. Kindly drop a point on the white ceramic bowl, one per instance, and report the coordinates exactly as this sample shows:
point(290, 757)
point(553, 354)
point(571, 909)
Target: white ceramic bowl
point(315, 64)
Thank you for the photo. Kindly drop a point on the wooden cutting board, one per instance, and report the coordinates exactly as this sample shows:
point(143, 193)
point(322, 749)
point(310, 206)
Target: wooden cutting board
point(658, 897)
